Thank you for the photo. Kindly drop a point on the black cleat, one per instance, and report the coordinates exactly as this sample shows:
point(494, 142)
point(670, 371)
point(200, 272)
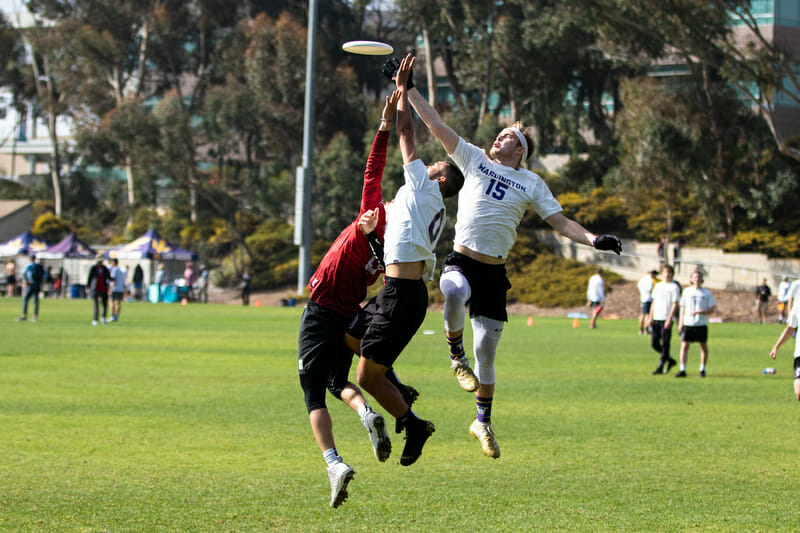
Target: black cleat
point(702, 373)
point(670, 363)
point(410, 395)
point(417, 432)
point(680, 374)
point(658, 371)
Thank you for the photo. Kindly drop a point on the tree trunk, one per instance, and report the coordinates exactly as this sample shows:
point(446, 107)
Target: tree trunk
point(55, 163)
point(426, 38)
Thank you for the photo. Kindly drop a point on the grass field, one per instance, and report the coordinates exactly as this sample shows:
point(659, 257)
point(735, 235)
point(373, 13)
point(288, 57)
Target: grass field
point(190, 418)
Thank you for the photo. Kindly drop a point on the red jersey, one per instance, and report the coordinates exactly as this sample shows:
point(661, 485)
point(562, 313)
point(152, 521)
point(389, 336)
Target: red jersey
point(348, 268)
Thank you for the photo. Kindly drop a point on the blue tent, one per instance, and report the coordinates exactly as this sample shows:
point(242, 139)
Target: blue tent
point(23, 244)
point(71, 247)
point(151, 246)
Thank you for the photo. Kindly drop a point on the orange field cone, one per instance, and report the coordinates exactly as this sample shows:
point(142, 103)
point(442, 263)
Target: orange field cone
point(575, 323)
point(184, 301)
point(530, 320)
point(258, 303)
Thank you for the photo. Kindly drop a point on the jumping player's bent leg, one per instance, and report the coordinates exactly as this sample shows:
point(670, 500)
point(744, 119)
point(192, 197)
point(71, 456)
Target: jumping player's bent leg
point(457, 292)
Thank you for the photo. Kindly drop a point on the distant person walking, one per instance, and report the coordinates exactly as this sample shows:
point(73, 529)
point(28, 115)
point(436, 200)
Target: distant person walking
point(596, 296)
point(660, 251)
point(188, 281)
point(783, 299)
point(202, 285)
point(118, 276)
point(138, 282)
point(245, 286)
point(99, 283)
point(160, 275)
point(645, 286)
point(666, 298)
point(697, 303)
point(763, 293)
point(32, 278)
point(676, 256)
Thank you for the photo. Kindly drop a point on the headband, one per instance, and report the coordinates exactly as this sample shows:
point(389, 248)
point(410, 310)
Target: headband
point(522, 141)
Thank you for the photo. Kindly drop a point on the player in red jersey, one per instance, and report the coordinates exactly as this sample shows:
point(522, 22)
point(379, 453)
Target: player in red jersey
point(337, 289)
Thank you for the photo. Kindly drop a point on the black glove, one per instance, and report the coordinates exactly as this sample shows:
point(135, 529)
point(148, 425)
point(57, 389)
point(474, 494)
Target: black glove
point(390, 68)
point(608, 242)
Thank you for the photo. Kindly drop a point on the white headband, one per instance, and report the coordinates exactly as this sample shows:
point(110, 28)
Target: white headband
point(522, 141)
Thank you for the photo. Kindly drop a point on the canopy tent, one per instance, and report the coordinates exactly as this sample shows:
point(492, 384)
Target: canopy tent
point(151, 246)
point(69, 247)
point(23, 244)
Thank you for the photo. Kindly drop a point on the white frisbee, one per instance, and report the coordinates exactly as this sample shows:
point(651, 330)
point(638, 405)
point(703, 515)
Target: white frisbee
point(368, 48)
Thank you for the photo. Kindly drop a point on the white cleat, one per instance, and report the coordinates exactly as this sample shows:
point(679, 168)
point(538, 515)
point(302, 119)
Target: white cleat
point(378, 436)
point(463, 372)
point(339, 475)
point(485, 434)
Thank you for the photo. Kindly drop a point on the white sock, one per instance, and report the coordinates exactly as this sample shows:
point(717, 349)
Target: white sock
point(702, 368)
point(363, 409)
point(683, 368)
point(331, 456)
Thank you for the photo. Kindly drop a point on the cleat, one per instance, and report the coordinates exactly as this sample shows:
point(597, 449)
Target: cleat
point(680, 374)
point(702, 373)
point(339, 475)
point(417, 432)
point(464, 374)
point(94, 322)
point(670, 363)
point(410, 395)
point(485, 434)
point(658, 371)
point(21, 319)
point(376, 428)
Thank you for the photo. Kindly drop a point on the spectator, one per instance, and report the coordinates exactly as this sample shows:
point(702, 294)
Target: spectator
point(202, 285)
point(138, 282)
point(660, 252)
point(596, 296)
point(676, 256)
point(763, 293)
point(99, 283)
point(32, 278)
point(245, 286)
point(783, 299)
point(118, 276)
point(189, 279)
point(159, 281)
point(11, 277)
point(645, 286)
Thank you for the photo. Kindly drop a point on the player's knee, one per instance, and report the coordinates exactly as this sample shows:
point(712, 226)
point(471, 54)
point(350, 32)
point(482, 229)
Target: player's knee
point(454, 287)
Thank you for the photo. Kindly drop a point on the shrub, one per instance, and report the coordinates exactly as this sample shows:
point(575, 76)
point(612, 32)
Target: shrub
point(764, 241)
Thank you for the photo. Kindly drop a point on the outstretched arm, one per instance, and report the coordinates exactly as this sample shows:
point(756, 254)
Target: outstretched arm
point(572, 230)
point(405, 127)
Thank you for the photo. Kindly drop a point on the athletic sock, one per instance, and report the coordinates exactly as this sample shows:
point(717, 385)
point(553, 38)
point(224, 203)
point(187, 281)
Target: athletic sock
point(406, 418)
point(456, 344)
point(683, 367)
point(702, 368)
point(331, 456)
point(484, 409)
point(363, 409)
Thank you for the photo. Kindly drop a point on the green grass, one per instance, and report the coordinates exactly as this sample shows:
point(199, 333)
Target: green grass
point(191, 418)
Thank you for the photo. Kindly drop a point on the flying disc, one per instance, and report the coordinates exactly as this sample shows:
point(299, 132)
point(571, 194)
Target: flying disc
point(368, 48)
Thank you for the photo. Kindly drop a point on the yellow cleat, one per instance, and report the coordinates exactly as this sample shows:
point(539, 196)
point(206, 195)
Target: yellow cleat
point(485, 434)
point(463, 372)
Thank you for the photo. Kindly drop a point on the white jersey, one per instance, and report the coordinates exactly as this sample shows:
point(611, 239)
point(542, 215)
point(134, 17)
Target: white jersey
point(664, 295)
point(794, 291)
point(693, 300)
point(414, 220)
point(645, 286)
point(118, 276)
point(793, 321)
point(494, 199)
point(595, 292)
point(783, 291)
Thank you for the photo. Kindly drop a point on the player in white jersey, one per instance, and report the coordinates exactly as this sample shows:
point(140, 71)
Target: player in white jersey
point(596, 296)
point(792, 323)
point(497, 191)
point(645, 286)
point(414, 223)
point(697, 303)
point(666, 299)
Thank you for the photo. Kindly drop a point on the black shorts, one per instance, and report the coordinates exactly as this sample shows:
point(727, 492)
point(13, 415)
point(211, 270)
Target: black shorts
point(399, 311)
point(488, 283)
point(117, 296)
point(320, 344)
point(694, 334)
point(358, 326)
point(646, 307)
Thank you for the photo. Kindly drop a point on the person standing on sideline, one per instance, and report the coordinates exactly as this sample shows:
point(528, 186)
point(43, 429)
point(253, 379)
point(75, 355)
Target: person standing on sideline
point(783, 299)
point(415, 220)
point(763, 293)
point(188, 281)
point(245, 286)
point(792, 322)
point(160, 274)
point(676, 256)
point(697, 303)
point(32, 278)
point(202, 285)
point(99, 283)
point(666, 299)
point(660, 249)
point(118, 276)
point(496, 194)
point(138, 282)
point(645, 286)
point(11, 277)
point(596, 296)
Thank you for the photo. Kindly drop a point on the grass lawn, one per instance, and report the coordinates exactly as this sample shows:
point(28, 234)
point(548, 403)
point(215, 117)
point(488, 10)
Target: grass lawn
point(190, 418)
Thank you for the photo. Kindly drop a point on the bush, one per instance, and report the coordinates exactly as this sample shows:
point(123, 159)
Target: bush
point(766, 242)
point(50, 227)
